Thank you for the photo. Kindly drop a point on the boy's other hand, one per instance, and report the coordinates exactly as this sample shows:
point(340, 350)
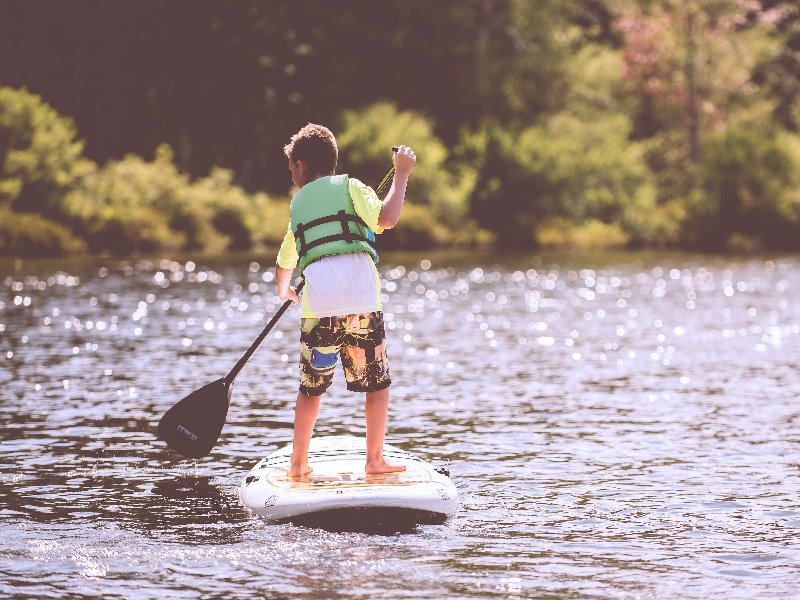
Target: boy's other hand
point(404, 160)
point(290, 294)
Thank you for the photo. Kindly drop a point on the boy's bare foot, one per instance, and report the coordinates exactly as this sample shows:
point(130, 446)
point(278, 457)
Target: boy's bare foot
point(375, 468)
point(299, 471)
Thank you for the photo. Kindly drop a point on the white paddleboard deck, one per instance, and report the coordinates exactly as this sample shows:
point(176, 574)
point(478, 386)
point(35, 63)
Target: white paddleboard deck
point(338, 482)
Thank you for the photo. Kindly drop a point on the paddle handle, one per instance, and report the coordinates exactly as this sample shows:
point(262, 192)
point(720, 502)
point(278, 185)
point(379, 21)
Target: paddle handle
point(260, 339)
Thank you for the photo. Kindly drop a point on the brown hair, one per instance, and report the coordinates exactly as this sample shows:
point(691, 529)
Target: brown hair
point(316, 146)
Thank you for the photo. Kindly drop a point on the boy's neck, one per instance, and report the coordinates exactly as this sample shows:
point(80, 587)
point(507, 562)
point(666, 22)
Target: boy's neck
point(315, 177)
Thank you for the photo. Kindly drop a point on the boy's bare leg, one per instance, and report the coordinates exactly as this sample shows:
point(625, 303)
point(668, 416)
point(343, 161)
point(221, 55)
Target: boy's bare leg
point(376, 409)
point(305, 416)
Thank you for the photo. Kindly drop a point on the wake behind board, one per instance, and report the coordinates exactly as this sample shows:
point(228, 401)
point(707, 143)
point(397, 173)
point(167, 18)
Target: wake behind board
point(338, 489)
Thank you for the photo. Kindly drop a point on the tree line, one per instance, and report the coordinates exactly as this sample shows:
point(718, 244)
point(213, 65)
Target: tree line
point(149, 126)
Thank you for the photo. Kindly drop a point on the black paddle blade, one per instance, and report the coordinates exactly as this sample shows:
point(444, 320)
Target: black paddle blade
point(193, 425)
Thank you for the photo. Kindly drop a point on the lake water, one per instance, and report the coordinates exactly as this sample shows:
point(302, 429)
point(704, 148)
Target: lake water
point(618, 426)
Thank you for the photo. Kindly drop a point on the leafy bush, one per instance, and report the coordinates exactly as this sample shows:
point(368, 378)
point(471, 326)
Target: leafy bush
point(246, 220)
point(133, 205)
point(651, 223)
point(40, 160)
point(560, 233)
point(31, 235)
point(750, 192)
point(128, 206)
point(572, 167)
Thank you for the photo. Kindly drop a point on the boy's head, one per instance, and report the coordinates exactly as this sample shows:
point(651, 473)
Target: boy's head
point(315, 146)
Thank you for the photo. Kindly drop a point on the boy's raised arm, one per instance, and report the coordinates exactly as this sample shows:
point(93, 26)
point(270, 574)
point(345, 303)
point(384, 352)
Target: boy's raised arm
point(404, 161)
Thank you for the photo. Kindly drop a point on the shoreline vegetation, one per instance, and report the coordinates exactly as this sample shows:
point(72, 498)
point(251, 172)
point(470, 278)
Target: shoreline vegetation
point(564, 126)
point(56, 202)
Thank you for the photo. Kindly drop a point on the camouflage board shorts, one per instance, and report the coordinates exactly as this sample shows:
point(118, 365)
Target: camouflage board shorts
point(359, 339)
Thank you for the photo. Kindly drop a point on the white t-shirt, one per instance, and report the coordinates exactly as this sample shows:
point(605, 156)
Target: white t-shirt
point(342, 284)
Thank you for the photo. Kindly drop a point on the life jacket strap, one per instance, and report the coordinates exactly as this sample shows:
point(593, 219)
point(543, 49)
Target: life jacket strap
point(343, 218)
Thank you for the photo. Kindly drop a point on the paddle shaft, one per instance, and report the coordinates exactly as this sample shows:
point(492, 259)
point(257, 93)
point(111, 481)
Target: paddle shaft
point(388, 177)
point(260, 339)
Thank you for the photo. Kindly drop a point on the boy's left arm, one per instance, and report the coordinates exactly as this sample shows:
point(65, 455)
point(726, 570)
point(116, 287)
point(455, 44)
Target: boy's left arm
point(284, 267)
point(285, 290)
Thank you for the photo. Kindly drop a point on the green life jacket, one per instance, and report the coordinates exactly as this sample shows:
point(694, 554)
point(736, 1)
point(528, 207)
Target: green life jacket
point(324, 221)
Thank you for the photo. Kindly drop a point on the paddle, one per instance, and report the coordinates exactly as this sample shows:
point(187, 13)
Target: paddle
point(388, 177)
point(193, 425)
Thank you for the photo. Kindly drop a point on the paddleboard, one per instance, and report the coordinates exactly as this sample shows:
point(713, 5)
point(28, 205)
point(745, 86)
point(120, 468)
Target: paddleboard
point(339, 488)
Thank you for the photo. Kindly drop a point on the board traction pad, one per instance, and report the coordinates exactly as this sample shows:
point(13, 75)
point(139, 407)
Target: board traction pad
point(341, 474)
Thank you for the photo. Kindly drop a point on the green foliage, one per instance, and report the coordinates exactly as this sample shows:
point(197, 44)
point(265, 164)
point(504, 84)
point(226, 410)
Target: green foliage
point(40, 160)
point(520, 55)
point(560, 233)
point(595, 73)
point(133, 205)
point(507, 200)
point(651, 223)
point(573, 167)
point(125, 207)
point(246, 220)
point(128, 205)
point(750, 192)
point(31, 235)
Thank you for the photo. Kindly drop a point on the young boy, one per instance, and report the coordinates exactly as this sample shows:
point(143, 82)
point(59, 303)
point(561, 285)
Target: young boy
point(331, 225)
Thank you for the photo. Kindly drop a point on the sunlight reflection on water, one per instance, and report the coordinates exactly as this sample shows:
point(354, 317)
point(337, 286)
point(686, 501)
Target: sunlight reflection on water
point(616, 426)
